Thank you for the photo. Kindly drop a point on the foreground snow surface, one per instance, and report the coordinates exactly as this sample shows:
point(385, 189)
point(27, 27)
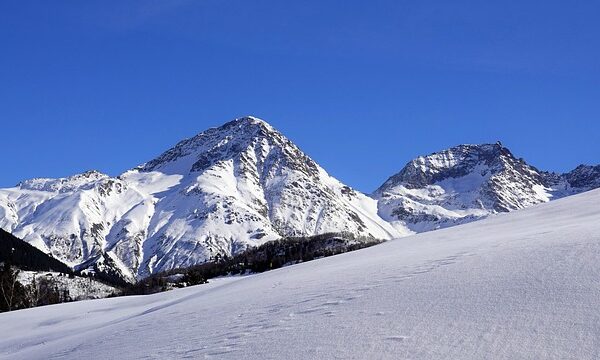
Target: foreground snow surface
point(519, 285)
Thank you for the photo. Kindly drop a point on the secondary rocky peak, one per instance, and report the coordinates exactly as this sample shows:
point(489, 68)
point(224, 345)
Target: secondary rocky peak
point(460, 184)
point(454, 162)
point(585, 177)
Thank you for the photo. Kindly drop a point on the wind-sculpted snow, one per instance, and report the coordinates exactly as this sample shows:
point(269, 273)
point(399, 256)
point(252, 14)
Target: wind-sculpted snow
point(519, 285)
point(219, 192)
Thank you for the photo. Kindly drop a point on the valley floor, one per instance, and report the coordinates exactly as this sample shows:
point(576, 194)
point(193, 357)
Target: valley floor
point(524, 285)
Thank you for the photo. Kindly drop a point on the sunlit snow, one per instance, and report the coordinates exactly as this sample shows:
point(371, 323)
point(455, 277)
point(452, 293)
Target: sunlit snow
point(518, 285)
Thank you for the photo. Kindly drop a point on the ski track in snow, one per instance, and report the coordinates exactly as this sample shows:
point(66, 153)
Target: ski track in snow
point(523, 285)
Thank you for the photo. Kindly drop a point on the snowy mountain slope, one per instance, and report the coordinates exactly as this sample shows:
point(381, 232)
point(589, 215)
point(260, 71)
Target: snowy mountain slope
point(246, 183)
point(468, 182)
point(516, 285)
point(219, 192)
point(68, 218)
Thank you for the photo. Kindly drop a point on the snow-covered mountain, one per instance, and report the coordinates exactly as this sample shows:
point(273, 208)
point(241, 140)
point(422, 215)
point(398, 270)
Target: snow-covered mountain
point(468, 182)
point(243, 184)
point(219, 192)
point(522, 285)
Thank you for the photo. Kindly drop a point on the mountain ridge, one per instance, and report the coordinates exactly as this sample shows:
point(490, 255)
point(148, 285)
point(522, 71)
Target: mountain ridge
point(244, 183)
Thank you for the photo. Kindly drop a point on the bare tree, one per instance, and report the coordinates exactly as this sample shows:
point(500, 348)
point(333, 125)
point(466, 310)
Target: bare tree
point(33, 293)
point(9, 285)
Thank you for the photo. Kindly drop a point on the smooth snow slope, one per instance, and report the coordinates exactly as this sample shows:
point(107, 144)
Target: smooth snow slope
point(521, 285)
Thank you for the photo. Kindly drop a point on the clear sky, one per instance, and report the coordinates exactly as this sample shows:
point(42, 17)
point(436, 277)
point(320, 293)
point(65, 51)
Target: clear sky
point(361, 86)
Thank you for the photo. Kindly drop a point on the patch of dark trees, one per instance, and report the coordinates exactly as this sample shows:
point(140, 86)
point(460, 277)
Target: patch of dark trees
point(16, 292)
point(269, 256)
point(19, 253)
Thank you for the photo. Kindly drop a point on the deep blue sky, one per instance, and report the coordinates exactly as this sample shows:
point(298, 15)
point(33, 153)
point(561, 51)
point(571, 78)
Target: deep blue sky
point(361, 86)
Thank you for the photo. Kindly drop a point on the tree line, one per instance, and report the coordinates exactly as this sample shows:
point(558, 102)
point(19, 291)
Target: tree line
point(16, 256)
point(269, 256)
point(26, 256)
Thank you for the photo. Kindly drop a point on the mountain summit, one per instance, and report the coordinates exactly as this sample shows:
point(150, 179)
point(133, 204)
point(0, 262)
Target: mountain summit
point(227, 141)
point(217, 193)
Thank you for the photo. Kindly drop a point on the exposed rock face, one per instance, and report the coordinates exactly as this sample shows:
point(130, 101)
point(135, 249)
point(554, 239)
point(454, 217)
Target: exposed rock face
point(583, 178)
